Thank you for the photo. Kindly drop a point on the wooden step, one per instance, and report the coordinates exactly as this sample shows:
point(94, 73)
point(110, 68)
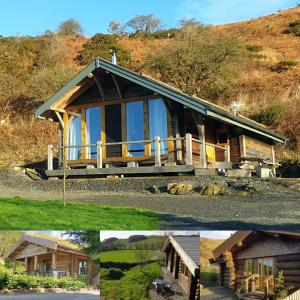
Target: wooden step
point(254, 296)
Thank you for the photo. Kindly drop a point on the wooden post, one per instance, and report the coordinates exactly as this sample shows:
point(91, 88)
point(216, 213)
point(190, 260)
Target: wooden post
point(99, 154)
point(50, 157)
point(14, 265)
point(188, 150)
point(201, 131)
point(35, 264)
point(227, 153)
point(273, 162)
point(54, 261)
point(178, 148)
point(157, 151)
point(26, 264)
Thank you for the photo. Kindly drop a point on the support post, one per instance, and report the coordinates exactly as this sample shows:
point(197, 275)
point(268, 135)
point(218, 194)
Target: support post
point(50, 157)
point(99, 154)
point(227, 153)
point(54, 261)
point(14, 265)
point(26, 264)
point(178, 148)
point(157, 151)
point(35, 264)
point(273, 162)
point(188, 150)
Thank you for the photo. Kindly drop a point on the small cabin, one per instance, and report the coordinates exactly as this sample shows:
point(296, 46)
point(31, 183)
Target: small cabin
point(183, 263)
point(48, 256)
point(253, 260)
point(113, 121)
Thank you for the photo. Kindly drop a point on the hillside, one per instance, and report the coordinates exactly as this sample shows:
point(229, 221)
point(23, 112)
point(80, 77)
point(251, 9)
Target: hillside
point(206, 248)
point(33, 68)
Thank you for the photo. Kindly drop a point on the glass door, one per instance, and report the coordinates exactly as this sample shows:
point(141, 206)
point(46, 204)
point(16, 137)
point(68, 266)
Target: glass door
point(93, 130)
point(265, 269)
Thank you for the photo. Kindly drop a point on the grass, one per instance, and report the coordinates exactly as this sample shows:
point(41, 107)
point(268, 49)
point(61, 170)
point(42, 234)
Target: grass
point(17, 213)
point(133, 285)
point(128, 256)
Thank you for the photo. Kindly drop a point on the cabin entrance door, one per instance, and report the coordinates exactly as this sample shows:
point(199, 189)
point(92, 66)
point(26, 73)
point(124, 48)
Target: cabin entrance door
point(266, 272)
point(113, 129)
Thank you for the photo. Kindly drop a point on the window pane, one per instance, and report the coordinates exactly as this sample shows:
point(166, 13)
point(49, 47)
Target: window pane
point(135, 127)
point(93, 128)
point(158, 123)
point(75, 137)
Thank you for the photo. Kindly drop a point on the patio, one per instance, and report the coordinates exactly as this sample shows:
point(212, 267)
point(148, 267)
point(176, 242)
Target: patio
point(216, 293)
point(176, 291)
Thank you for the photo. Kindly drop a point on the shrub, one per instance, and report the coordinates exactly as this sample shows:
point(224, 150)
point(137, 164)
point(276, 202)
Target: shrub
point(209, 276)
point(71, 283)
point(269, 115)
point(4, 277)
point(294, 28)
point(288, 63)
point(114, 274)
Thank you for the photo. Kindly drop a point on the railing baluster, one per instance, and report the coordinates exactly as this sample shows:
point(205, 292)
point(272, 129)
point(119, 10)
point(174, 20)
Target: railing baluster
point(99, 154)
point(188, 150)
point(157, 151)
point(50, 157)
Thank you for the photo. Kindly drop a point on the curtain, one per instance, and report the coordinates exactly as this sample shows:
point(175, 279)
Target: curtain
point(135, 127)
point(93, 130)
point(74, 137)
point(158, 123)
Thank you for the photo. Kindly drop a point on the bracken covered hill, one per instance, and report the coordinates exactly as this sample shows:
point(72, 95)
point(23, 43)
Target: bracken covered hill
point(206, 247)
point(271, 76)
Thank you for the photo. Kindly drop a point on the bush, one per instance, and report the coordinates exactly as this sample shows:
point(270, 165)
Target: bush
point(4, 277)
point(269, 115)
point(71, 284)
point(209, 276)
point(114, 274)
point(288, 63)
point(294, 28)
point(254, 48)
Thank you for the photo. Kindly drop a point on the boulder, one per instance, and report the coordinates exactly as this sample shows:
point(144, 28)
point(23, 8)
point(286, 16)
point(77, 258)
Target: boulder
point(179, 188)
point(211, 190)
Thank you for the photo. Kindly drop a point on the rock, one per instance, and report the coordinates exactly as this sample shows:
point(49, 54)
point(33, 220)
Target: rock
point(153, 189)
point(211, 190)
point(179, 189)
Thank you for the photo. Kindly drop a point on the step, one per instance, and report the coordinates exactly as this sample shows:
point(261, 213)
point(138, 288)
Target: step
point(254, 296)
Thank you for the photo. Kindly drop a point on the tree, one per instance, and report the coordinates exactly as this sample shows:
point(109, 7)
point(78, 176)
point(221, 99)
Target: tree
point(115, 27)
point(70, 27)
point(144, 23)
point(89, 240)
point(198, 61)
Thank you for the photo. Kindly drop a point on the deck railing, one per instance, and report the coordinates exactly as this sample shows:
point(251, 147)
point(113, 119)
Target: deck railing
point(183, 150)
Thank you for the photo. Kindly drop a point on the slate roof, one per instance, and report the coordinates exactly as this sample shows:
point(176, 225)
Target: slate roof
point(198, 104)
point(190, 244)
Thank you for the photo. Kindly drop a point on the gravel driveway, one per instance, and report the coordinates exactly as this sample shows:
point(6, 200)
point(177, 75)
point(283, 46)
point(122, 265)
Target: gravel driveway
point(276, 205)
point(67, 296)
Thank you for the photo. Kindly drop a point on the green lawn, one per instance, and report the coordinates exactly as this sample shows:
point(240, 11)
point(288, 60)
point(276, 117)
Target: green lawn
point(133, 285)
point(17, 213)
point(128, 256)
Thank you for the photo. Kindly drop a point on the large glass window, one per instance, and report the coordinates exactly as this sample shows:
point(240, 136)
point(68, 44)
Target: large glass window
point(158, 125)
point(74, 137)
point(135, 127)
point(82, 268)
point(93, 128)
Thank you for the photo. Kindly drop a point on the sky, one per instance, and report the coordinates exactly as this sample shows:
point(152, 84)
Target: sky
point(217, 235)
point(126, 234)
point(33, 17)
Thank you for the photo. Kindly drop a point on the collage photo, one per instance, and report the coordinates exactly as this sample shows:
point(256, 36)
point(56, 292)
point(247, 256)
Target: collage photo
point(150, 150)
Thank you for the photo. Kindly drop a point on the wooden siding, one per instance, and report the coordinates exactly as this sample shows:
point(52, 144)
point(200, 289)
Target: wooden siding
point(235, 153)
point(290, 265)
point(256, 148)
point(31, 250)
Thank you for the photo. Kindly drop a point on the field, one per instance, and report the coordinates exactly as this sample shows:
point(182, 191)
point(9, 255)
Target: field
point(129, 256)
point(18, 213)
point(206, 248)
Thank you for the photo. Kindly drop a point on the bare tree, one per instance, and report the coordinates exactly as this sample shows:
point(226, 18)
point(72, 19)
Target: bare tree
point(115, 27)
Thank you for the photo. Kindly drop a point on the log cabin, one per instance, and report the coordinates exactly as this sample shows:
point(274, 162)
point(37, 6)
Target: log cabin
point(183, 263)
point(253, 259)
point(48, 256)
point(114, 121)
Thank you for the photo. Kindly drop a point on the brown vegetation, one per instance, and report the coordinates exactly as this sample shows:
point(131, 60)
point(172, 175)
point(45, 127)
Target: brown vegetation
point(206, 248)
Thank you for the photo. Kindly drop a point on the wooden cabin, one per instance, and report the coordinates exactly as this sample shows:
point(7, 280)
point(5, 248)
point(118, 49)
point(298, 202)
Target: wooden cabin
point(48, 256)
point(114, 121)
point(252, 259)
point(183, 263)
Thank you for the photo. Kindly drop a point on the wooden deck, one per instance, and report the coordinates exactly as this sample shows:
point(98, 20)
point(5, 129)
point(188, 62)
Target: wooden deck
point(122, 171)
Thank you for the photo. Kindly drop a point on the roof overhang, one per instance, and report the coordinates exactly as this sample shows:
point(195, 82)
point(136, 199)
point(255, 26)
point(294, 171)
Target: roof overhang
point(192, 266)
point(202, 106)
point(241, 236)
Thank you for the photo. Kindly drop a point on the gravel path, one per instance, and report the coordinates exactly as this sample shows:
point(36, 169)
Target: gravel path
point(276, 205)
point(68, 296)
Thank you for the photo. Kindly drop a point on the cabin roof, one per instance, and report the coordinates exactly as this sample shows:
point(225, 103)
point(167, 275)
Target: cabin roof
point(44, 241)
point(241, 236)
point(204, 107)
point(188, 247)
